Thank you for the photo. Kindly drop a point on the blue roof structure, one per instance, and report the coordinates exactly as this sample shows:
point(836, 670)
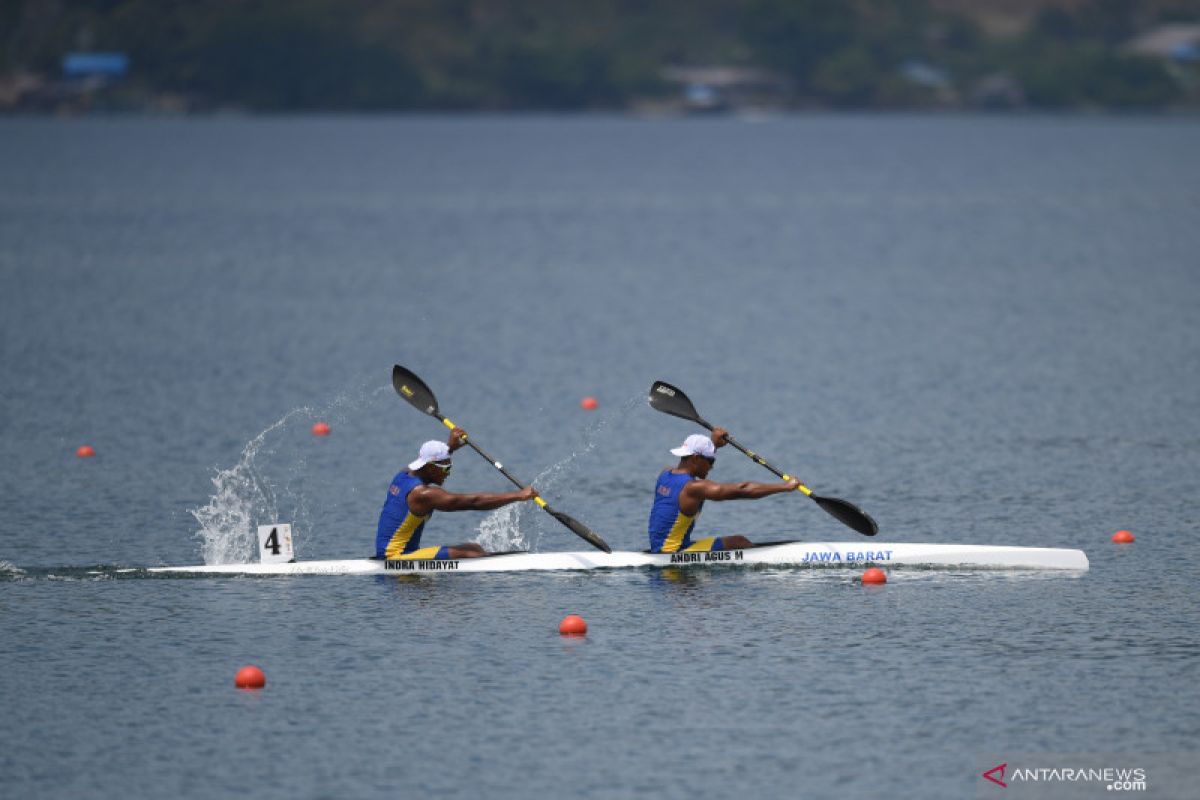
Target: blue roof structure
point(88, 65)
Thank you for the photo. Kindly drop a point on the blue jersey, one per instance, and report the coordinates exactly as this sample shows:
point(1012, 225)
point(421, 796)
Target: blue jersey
point(670, 528)
point(399, 531)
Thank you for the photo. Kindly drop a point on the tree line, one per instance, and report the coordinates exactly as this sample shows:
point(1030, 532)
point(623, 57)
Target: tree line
point(276, 55)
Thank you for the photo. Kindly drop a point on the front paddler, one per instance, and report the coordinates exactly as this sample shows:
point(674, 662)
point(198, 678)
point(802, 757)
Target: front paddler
point(417, 492)
point(682, 490)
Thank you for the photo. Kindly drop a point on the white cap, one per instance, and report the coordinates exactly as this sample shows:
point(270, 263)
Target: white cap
point(696, 445)
point(431, 451)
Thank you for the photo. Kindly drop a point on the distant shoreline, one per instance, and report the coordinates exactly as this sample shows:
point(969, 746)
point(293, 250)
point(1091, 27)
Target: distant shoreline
point(750, 117)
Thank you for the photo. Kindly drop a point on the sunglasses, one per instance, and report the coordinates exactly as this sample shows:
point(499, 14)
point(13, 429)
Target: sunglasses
point(444, 466)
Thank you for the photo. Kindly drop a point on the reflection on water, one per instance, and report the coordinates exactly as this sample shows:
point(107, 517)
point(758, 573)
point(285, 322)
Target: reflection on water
point(677, 580)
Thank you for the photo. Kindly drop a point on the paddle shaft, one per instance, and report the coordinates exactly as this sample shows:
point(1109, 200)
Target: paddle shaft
point(500, 467)
point(760, 460)
point(756, 457)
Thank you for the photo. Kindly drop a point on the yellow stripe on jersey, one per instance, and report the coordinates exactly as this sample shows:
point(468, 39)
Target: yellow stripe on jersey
point(679, 530)
point(399, 540)
point(702, 546)
point(424, 554)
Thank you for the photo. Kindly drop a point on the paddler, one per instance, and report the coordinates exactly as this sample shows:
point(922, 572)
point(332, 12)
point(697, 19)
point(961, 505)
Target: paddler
point(417, 492)
point(682, 490)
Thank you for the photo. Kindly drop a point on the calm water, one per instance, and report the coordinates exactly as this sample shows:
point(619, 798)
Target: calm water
point(981, 330)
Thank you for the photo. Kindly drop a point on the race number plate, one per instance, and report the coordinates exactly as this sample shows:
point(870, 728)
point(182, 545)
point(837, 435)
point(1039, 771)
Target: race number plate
point(275, 544)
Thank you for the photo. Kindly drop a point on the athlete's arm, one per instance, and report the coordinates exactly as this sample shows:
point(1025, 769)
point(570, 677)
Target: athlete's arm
point(694, 492)
point(424, 499)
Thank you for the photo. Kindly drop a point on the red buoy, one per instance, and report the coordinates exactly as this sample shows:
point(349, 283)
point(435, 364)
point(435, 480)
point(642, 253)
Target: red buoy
point(572, 625)
point(321, 429)
point(874, 575)
point(1123, 537)
point(85, 451)
point(250, 677)
point(589, 404)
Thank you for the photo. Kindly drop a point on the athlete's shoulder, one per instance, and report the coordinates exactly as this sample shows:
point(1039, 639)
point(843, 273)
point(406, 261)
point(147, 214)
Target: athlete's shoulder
point(425, 498)
point(420, 489)
point(703, 487)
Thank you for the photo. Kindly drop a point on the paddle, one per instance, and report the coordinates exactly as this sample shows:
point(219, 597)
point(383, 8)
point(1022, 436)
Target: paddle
point(420, 396)
point(670, 400)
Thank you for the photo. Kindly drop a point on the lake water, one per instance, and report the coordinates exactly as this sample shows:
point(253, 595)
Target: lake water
point(979, 329)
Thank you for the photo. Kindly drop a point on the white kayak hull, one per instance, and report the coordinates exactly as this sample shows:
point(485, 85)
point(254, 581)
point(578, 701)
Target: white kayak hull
point(796, 554)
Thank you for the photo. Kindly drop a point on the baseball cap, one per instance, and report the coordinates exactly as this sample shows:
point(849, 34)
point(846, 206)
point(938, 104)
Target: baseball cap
point(431, 451)
point(696, 445)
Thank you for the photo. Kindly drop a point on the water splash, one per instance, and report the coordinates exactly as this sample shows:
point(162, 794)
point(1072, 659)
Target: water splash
point(242, 496)
point(501, 530)
point(245, 496)
point(10, 572)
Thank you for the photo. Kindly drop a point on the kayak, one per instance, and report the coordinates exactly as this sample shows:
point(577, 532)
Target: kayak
point(781, 554)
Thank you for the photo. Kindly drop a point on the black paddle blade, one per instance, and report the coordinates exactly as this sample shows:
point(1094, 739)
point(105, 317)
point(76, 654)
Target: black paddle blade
point(848, 514)
point(579, 529)
point(414, 390)
point(671, 400)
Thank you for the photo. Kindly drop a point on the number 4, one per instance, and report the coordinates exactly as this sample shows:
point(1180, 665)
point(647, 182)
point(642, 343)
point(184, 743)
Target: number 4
point(272, 542)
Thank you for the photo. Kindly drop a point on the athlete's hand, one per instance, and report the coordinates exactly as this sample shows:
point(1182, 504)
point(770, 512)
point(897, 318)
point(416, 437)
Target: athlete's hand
point(528, 493)
point(718, 437)
point(458, 437)
point(792, 484)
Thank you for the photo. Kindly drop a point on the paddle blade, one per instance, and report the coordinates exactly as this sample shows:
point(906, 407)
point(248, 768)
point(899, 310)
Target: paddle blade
point(848, 514)
point(414, 390)
point(671, 400)
point(579, 529)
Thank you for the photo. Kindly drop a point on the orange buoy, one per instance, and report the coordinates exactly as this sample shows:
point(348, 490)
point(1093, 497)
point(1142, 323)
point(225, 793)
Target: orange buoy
point(589, 404)
point(572, 625)
point(874, 575)
point(250, 677)
point(321, 429)
point(1123, 537)
point(85, 451)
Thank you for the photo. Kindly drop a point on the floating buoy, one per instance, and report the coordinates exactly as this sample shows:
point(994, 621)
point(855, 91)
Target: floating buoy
point(874, 575)
point(589, 404)
point(321, 429)
point(572, 625)
point(250, 677)
point(85, 451)
point(1123, 537)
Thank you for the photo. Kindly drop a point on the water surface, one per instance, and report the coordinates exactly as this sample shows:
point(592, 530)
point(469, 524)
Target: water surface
point(980, 330)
